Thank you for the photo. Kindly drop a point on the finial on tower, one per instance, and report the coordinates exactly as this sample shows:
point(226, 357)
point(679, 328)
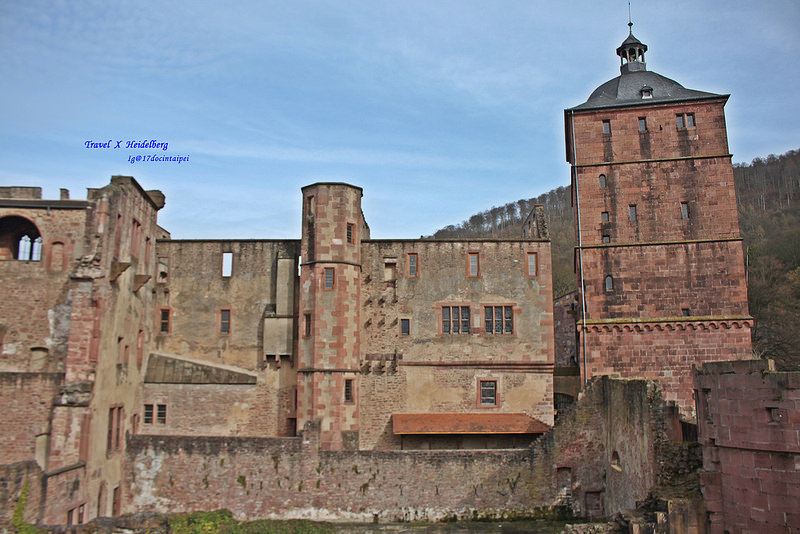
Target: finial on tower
point(631, 52)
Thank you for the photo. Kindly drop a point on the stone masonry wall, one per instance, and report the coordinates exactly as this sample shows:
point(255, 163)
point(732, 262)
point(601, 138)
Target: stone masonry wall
point(665, 351)
point(749, 427)
point(602, 456)
point(26, 399)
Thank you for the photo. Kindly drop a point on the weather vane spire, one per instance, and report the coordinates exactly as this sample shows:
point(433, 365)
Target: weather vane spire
point(630, 22)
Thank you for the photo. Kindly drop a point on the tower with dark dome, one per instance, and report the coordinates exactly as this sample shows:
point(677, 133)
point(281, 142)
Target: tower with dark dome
point(659, 260)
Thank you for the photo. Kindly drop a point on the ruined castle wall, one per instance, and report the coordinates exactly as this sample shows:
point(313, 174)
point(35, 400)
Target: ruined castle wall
point(665, 351)
point(748, 419)
point(194, 292)
point(286, 478)
point(35, 301)
point(26, 399)
point(18, 480)
point(427, 370)
point(211, 410)
point(602, 456)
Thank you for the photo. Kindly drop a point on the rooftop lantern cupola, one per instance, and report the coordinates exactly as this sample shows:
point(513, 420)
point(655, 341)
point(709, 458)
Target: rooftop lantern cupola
point(631, 53)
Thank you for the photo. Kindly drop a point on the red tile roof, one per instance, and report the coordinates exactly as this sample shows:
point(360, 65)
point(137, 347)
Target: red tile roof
point(466, 423)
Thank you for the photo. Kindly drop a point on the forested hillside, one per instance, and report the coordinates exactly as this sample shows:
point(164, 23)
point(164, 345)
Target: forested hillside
point(768, 195)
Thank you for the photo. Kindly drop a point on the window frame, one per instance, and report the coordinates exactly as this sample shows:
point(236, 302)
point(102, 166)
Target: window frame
point(162, 320)
point(632, 213)
point(224, 326)
point(685, 214)
point(608, 284)
point(477, 256)
point(161, 414)
point(307, 327)
point(415, 264)
point(603, 181)
point(642, 124)
point(226, 267)
point(604, 216)
point(325, 272)
point(606, 126)
point(349, 391)
point(495, 396)
point(350, 233)
point(405, 326)
point(148, 414)
point(505, 321)
point(535, 256)
point(449, 330)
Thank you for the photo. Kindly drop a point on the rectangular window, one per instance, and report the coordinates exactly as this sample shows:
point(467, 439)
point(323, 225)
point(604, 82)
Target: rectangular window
point(227, 264)
point(224, 321)
point(329, 278)
point(607, 127)
point(308, 324)
point(349, 233)
point(148, 414)
point(684, 210)
point(606, 239)
point(474, 267)
point(604, 216)
point(455, 320)
point(348, 391)
point(488, 392)
point(499, 319)
point(115, 424)
point(136, 237)
point(690, 120)
point(116, 504)
point(642, 124)
point(632, 208)
point(164, 326)
point(533, 264)
point(679, 121)
point(405, 327)
point(147, 253)
point(161, 414)
point(413, 265)
point(80, 514)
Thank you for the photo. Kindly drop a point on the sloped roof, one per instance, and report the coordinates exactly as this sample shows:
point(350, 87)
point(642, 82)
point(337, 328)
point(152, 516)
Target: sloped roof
point(625, 90)
point(163, 369)
point(467, 423)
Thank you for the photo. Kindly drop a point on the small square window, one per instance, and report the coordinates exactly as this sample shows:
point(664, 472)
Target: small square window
point(329, 278)
point(224, 321)
point(348, 390)
point(606, 238)
point(607, 127)
point(148, 414)
point(227, 264)
point(488, 392)
point(413, 265)
point(632, 208)
point(602, 181)
point(642, 124)
point(474, 264)
point(405, 327)
point(684, 210)
point(604, 216)
point(533, 264)
point(161, 415)
point(685, 312)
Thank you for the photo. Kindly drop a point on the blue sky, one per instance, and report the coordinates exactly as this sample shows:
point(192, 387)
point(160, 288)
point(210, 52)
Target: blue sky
point(438, 109)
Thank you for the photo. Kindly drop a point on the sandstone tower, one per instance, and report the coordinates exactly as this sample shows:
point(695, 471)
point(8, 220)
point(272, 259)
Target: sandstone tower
point(330, 287)
point(659, 258)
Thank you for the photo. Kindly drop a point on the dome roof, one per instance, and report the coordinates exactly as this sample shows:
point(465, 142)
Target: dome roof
point(640, 87)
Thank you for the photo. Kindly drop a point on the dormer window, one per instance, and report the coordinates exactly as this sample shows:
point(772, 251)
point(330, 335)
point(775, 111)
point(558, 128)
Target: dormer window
point(647, 92)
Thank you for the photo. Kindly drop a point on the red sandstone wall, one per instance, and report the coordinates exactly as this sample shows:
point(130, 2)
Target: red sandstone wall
point(26, 399)
point(708, 279)
point(748, 419)
point(665, 351)
point(662, 140)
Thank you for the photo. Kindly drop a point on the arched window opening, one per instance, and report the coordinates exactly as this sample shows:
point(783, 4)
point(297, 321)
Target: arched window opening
point(609, 283)
point(19, 239)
